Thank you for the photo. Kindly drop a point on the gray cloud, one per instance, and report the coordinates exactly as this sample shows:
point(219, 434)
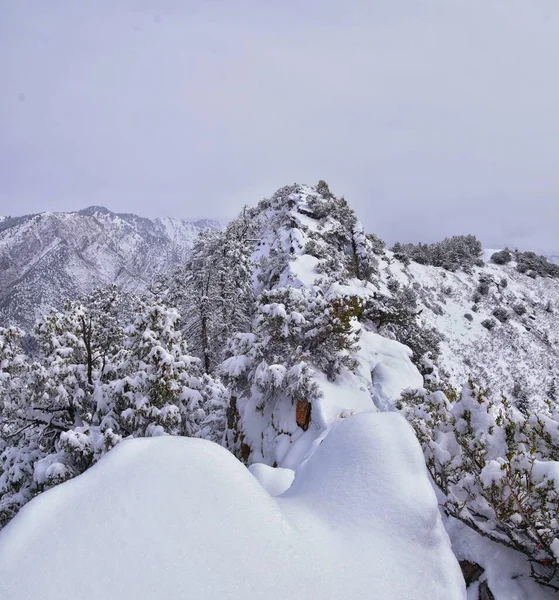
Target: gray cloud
point(433, 117)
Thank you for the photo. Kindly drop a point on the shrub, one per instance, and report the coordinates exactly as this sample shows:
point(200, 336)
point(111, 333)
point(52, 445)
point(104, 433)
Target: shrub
point(502, 314)
point(393, 285)
point(437, 309)
point(315, 249)
point(496, 468)
point(378, 246)
point(521, 397)
point(397, 316)
point(401, 254)
point(489, 324)
point(519, 309)
point(323, 189)
point(534, 265)
point(483, 286)
point(552, 391)
point(502, 257)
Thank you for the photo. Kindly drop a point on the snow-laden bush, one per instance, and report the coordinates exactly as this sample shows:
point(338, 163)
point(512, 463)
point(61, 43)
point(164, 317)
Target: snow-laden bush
point(378, 245)
point(292, 326)
point(489, 324)
point(497, 468)
point(519, 309)
point(501, 313)
point(484, 285)
point(396, 316)
point(502, 257)
point(534, 265)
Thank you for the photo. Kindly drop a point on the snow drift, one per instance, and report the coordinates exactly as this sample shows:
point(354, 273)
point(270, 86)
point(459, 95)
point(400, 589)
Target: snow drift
point(182, 518)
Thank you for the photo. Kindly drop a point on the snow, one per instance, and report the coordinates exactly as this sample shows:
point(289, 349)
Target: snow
point(274, 480)
point(555, 548)
point(303, 270)
point(182, 518)
point(391, 368)
point(525, 349)
point(505, 570)
point(384, 371)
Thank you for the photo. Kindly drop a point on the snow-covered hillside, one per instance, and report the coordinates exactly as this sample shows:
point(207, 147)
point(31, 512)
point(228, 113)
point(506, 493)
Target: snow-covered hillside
point(181, 518)
point(48, 257)
point(299, 334)
point(520, 355)
point(312, 255)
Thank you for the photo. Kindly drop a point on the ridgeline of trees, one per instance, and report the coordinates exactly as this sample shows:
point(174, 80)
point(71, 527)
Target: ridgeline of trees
point(460, 252)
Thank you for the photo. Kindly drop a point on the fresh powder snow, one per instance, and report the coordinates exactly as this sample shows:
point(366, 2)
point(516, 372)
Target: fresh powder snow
point(182, 518)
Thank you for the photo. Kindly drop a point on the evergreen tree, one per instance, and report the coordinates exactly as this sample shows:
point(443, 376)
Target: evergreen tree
point(94, 384)
point(213, 290)
point(157, 390)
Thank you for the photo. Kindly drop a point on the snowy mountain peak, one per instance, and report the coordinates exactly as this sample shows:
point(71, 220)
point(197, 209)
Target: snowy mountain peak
point(92, 210)
point(48, 257)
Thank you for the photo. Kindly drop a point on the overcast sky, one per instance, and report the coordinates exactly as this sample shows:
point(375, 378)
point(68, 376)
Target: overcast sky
point(432, 117)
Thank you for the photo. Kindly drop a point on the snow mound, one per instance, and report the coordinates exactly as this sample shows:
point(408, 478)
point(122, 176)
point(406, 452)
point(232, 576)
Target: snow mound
point(182, 518)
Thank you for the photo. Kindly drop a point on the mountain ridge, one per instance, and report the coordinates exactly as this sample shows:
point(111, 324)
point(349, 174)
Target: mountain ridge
point(286, 325)
point(50, 256)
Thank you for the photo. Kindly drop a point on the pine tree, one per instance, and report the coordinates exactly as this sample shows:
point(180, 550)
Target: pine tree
point(157, 388)
point(213, 290)
point(95, 383)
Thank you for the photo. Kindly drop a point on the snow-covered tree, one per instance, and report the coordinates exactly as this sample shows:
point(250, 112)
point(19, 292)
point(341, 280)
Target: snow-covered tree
point(13, 362)
point(49, 411)
point(454, 253)
point(397, 316)
point(214, 405)
point(213, 290)
point(497, 469)
point(157, 390)
point(95, 384)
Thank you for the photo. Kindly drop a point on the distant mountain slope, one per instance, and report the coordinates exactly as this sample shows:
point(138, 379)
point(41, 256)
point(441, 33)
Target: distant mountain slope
point(47, 257)
point(520, 354)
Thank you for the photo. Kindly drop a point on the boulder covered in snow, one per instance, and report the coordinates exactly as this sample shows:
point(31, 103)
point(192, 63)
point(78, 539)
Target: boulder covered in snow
point(168, 518)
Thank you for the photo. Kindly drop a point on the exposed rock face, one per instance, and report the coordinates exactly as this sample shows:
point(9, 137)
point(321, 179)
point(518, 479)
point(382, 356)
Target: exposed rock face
point(485, 592)
point(472, 572)
point(303, 414)
point(48, 257)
